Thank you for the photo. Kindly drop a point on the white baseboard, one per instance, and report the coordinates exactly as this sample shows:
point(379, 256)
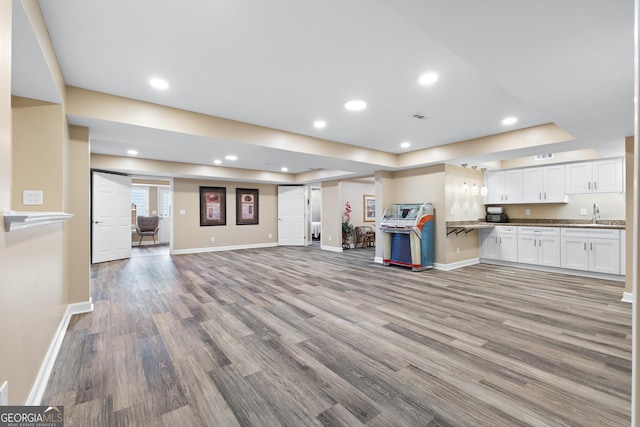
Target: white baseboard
point(330, 248)
point(40, 384)
point(222, 248)
point(455, 265)
point(627, 297)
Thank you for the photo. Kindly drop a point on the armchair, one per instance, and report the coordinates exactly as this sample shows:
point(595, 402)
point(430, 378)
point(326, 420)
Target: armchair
point(147, 226)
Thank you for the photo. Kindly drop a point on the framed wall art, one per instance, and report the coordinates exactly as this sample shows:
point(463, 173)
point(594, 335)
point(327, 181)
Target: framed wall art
point(369, 207)
point(247, 208)
point(213, 206)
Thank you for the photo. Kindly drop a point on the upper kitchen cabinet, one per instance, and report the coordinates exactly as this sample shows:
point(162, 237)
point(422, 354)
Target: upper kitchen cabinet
point(544, 185)
point(504, 186)
point(600, 176)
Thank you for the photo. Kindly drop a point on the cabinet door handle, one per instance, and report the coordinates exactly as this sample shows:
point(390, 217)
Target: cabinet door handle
point(591, 246)
point(534, 242)
point(540, 242)
point(545, 195)
point(595, 185)
point(501, 240)
point(589, 185)
point(539, 196)
point(505, 197)
point(585, 246)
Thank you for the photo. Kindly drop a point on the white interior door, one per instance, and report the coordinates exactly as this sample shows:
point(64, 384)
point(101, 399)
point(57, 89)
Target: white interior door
point(164, 212)
point(111, 217)
point(291, 220)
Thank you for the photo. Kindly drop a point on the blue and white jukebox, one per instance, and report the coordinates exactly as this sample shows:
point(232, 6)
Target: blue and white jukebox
point(408, 235)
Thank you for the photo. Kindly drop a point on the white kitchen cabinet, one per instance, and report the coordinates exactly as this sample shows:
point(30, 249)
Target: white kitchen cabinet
point(600, 176)
point(504, 186)
point(501, 243)
point(596, 250)
point(544, 185)
point(539, 246)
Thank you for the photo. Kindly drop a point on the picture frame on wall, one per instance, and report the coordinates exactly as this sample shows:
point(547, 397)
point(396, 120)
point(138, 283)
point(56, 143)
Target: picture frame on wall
point(369, 207)
point(213, 206)
point(247, 207)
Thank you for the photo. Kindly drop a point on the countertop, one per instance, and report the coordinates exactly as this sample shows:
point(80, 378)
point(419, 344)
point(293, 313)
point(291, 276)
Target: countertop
point(524, 222)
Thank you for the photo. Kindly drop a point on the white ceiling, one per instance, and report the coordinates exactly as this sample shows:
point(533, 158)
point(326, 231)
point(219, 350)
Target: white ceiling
point(284, 63)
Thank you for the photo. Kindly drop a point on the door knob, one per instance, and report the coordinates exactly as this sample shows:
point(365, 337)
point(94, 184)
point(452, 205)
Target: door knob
point(97, 222)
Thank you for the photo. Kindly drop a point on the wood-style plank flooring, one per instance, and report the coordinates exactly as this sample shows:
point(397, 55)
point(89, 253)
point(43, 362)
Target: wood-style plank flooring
point(304, 337)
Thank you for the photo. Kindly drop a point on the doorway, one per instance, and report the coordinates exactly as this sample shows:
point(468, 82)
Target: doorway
point(153, 196)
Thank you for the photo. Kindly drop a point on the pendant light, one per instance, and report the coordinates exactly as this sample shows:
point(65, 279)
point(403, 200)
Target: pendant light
point(465, 187)
point(474, 189)
point(483, 190)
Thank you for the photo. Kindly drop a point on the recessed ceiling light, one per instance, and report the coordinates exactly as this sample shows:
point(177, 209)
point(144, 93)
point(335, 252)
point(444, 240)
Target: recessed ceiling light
point(217, 162)
point(159, 84)
point(405, 144)
point(428, 79)
point(320, 124)
point(509, 121)
point(355, 105)
point(231, 157)
point(284, 169)
point(132, 152)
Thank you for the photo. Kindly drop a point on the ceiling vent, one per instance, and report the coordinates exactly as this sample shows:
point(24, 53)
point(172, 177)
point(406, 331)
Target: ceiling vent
point(419, 116)
point(544, 156)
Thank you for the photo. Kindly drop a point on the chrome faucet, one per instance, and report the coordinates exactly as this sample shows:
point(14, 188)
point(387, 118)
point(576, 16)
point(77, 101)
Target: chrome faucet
point(596, 213)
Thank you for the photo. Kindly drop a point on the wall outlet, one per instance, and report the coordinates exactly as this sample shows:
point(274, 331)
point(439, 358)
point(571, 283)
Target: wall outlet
point(4, 394)
point(527, 212)
point(32, 197)
point(213, 238)
point(583, 212)
point(329, 238)
point(457, 250)
point(270, 235)
point(452, 212)
point(182, 212)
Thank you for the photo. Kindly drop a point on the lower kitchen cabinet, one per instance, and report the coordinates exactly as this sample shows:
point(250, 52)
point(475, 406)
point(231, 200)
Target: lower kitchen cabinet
point(539, 246)
point(596, 250)
point(500, 243)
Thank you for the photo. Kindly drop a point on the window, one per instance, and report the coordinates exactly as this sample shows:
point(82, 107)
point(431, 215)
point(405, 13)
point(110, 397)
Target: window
point(140, 197)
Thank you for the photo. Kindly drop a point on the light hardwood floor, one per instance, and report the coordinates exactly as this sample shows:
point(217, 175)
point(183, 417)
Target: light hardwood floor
point(304, 337)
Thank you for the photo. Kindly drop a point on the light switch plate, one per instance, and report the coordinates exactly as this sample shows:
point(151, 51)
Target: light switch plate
point(527, 212)
point(32, 197)
point(182, 212)
point(583, 212)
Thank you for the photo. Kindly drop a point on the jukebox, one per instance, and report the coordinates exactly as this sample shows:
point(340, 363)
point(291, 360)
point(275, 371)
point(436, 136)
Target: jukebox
point(408, 235)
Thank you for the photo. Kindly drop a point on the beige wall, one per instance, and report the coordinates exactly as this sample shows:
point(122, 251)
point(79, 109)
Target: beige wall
point(44, 268)
point(425, 185)
point(353, 192)
point(31, 260)
point(612, 206)
point(568, 156)
point(38, 156)
point(77, 202)
point(331, 215)
point(188, 234)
